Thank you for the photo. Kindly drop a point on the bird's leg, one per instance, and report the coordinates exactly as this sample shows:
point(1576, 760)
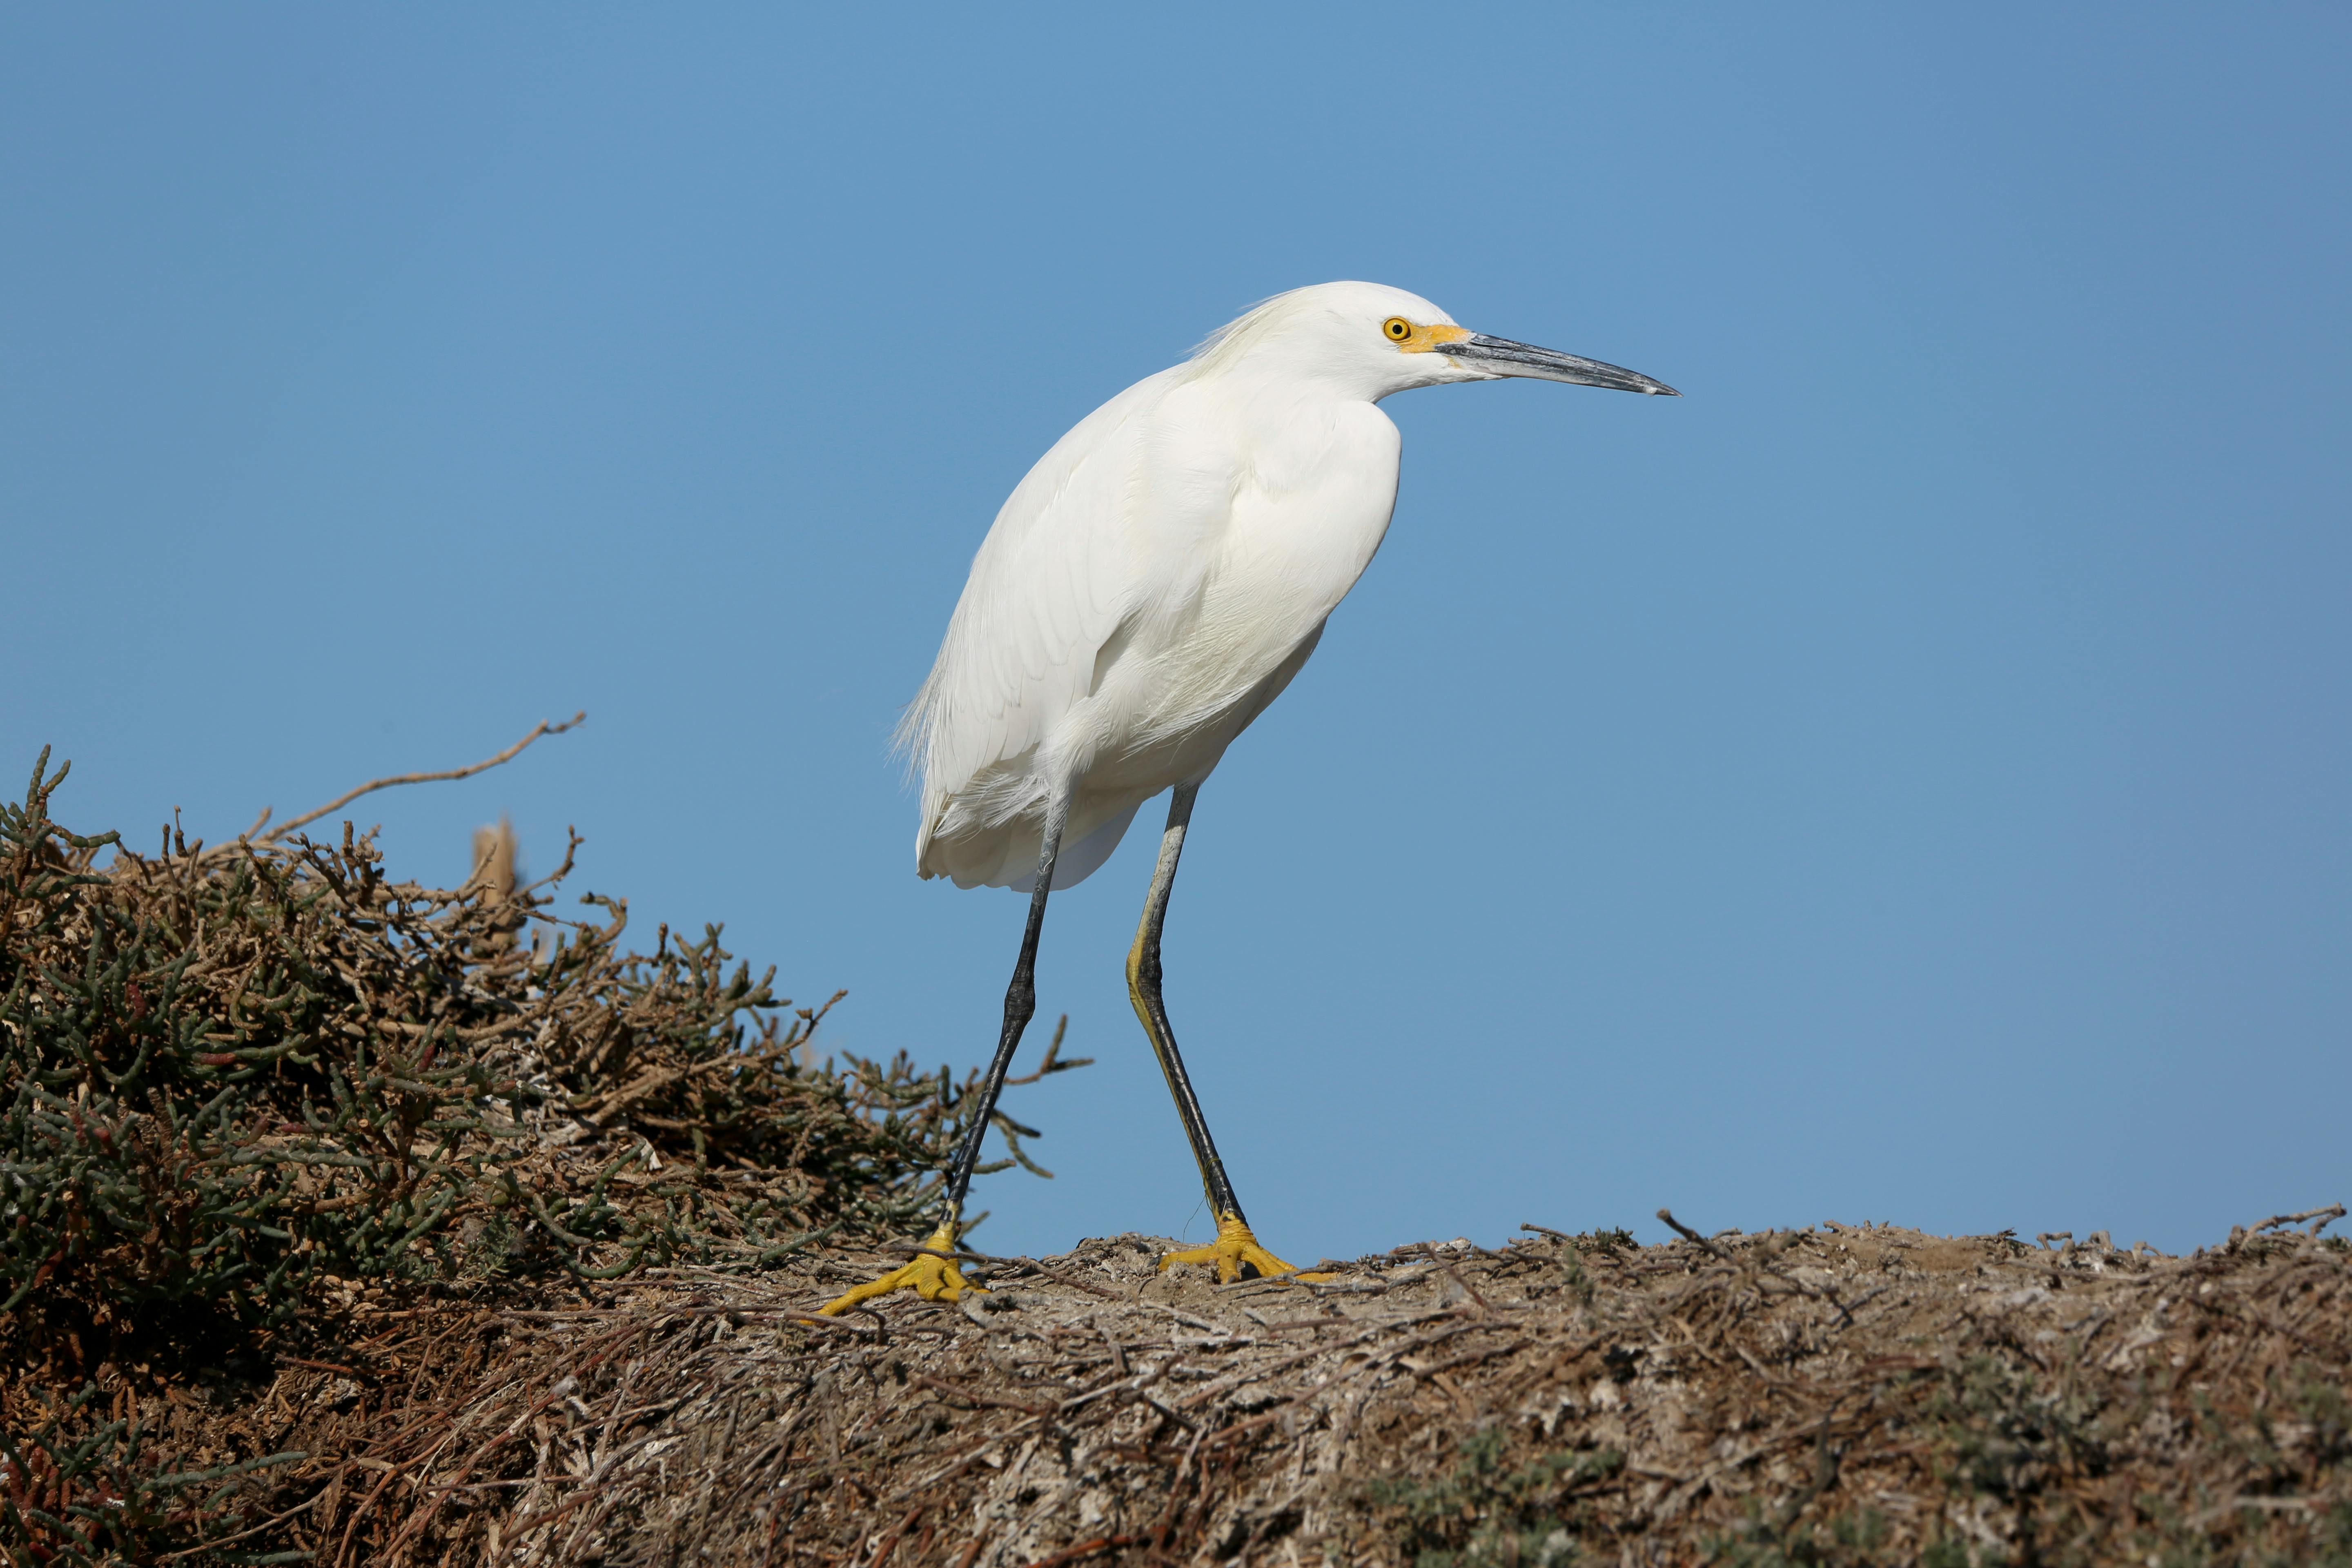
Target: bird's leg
point(1236, 1253)
point(933, 1273)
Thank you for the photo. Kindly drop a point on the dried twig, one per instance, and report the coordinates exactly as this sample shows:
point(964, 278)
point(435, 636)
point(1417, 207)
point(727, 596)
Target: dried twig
point(254, 835)
point(2240, 1233)
point(1687, 1234)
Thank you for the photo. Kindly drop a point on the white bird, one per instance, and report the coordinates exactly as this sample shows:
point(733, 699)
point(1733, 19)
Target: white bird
point(1154, 583)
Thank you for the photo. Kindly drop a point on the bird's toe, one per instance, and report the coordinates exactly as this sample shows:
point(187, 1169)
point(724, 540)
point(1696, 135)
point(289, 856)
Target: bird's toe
point(933, 1276)
point(1237, 1255)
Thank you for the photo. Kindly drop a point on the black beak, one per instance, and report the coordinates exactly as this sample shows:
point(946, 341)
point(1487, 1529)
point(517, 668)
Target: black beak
point(1504, 357)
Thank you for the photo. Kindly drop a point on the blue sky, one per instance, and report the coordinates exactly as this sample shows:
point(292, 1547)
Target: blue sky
point(1906, 779)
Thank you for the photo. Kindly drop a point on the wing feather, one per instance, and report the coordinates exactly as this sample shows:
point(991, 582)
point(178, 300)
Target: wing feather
point(1063, 564)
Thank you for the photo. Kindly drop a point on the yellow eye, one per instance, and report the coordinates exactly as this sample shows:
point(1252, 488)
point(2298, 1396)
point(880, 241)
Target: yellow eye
point(1397, 328)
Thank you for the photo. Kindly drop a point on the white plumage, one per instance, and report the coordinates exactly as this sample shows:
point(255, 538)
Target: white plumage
point(1166, 569)
point(1148, 589)
point(1156, 580)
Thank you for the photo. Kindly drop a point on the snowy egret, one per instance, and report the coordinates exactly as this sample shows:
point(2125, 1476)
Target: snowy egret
point(1157, 580)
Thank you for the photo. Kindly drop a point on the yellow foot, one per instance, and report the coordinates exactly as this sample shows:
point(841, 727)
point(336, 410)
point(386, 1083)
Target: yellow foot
point(1238, 1255)
point(929, 1276)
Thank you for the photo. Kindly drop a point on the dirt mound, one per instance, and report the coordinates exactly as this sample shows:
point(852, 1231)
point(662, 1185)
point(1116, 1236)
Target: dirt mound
point(348, 1224)
point(1835, 1395)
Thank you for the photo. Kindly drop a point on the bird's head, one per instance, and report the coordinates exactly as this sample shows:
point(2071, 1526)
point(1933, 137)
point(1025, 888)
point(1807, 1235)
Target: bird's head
point(1374, 340)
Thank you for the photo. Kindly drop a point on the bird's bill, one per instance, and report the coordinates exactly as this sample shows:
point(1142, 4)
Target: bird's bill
point(1504, 357)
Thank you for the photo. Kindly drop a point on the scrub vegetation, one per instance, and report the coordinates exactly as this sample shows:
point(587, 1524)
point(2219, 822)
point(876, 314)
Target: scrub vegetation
point(248, 1091)
point(348, 1220)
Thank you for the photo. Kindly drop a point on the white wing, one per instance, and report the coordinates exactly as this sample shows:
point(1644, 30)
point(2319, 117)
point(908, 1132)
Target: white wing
point(1082, 545)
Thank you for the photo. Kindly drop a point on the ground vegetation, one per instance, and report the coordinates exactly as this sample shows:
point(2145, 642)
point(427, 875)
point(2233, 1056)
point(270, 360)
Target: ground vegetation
point(352, 1221)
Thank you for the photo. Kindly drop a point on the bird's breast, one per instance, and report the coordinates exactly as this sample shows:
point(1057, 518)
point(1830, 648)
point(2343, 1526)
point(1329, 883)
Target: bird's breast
point(1310, 512)
point(1309, 503)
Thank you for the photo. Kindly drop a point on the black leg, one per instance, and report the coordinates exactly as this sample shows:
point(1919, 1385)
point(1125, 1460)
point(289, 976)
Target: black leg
point(933, 1273)
point(1020, 1006)
point(1143, 974)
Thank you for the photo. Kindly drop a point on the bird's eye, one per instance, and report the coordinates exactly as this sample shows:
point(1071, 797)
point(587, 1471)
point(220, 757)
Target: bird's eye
point(1397, 328)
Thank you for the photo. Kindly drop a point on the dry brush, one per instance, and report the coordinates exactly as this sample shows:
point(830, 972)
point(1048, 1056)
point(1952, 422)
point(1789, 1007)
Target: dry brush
point(351, 1221)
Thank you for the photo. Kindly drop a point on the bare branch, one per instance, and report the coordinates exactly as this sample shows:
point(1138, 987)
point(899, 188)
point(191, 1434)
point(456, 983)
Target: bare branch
point(341, 801)
point(1687, 1234)
point(2239, 1234)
